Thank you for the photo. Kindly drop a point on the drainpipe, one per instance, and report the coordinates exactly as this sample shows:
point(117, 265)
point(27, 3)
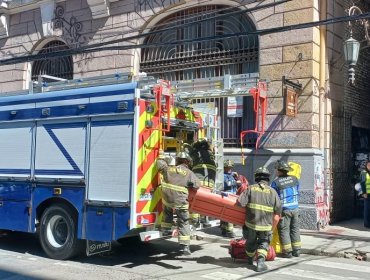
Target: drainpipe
point(323, 111)
point(322, 76)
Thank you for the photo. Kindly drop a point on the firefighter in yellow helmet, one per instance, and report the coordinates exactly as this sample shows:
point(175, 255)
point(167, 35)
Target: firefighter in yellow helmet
point(263, 209)
point(176, 181)
point(287, 187)
point(230, 186)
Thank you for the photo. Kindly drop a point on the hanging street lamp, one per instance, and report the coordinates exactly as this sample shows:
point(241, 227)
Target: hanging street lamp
point(351, 46)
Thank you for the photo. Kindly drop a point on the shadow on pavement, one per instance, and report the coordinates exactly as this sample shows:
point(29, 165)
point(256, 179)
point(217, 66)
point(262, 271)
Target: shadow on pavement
point(21, 242)
point(7, 274)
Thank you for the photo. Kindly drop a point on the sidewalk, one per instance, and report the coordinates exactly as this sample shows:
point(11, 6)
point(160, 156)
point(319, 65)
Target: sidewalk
point(349, 239)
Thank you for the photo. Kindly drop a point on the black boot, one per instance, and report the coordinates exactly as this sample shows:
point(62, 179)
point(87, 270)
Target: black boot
point(261, 266)
point(296, 253)
point(185, 250)
point(230, 234)
point(249, 260)
point(287, 255)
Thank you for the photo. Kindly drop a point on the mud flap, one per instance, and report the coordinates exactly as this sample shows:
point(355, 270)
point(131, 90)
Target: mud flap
point(97, 247)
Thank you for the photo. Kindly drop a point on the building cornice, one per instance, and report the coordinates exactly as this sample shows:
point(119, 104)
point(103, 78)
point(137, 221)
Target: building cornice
point(99, 8)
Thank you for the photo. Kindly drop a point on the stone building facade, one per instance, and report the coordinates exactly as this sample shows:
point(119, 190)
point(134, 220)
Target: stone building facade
point(163, 38)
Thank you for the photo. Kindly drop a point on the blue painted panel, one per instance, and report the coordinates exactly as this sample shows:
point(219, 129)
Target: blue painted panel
point(127, 88)
point(121, 218)
point(68, 110)
point(99, 223)
point(15, 191)
point(73, 195)
point(14, 215)
point(50, 130)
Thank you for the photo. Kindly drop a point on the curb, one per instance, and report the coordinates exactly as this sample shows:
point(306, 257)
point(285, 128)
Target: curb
point(307, 251)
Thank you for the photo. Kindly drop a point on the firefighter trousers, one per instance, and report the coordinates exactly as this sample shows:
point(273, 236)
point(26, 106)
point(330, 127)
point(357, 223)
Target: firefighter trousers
point(289, 231)
point(367, 211)
point(257, 241)
point(183, 226)
point(226, 227)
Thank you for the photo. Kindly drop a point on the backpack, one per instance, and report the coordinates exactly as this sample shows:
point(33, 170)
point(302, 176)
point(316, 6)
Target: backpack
point(237, 250)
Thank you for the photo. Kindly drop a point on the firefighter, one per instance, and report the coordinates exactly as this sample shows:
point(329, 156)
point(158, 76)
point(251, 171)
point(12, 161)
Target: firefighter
point(176, 181)
point(202, 154)
point(204, 167)
point(263, 208)
point(230, 186)
point(287, 187)
point(365, 189)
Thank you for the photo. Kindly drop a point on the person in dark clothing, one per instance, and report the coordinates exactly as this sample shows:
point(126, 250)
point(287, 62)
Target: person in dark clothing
point(175, 183)
point(287, 187)
point(263, 209)
point(365, 187)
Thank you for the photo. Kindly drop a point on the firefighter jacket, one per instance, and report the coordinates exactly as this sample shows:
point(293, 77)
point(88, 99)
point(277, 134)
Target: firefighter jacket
point(365, 182)
point(175, 184)
point(230, 183)
point(262, 203)
point(287, 188)
point(204, 165)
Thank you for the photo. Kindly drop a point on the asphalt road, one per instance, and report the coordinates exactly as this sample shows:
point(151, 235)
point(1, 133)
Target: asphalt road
point(21, 258)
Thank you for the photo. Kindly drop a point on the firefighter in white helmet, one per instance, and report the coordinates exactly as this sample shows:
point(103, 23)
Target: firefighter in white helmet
point(365, 189)
point(176, 181)
point(263, 209)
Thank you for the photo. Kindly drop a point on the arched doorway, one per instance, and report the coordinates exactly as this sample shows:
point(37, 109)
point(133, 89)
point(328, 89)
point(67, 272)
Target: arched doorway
point(190, 58)
point(61, 67)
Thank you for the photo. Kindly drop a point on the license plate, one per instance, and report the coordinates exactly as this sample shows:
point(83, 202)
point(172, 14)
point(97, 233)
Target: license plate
point(97, 247)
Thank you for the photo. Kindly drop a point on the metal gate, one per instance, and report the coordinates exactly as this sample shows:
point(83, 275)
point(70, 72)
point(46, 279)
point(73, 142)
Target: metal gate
point(192, 58)
point(342, 200)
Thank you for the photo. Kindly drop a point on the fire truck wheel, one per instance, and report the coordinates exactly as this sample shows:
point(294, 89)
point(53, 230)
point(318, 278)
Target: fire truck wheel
point(58, 233)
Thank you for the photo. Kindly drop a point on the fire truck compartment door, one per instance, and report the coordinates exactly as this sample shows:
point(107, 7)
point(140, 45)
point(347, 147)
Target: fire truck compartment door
point(110, 167)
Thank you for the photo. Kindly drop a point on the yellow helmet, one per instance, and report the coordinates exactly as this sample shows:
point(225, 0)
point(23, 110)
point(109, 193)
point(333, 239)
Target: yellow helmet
point(228, 163)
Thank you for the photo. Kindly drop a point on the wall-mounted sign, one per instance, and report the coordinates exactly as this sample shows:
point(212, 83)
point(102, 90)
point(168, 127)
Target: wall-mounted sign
point(235, 106)
point(291, 90)
point(291, 102)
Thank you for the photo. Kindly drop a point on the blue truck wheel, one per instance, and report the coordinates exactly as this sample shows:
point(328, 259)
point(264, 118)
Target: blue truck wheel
point(58, 229)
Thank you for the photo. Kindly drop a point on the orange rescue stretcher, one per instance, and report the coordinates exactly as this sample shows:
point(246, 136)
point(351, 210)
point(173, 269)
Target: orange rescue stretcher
point(221, 206)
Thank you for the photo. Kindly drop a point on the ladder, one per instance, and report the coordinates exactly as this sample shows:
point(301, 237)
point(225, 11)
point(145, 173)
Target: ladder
point(216, 87)
point(144, 82)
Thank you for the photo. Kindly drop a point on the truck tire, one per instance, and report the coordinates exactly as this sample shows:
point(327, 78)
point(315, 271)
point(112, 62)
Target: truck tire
point(58, 233)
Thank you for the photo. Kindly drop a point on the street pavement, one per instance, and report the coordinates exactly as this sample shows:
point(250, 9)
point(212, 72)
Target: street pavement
point(348, 239)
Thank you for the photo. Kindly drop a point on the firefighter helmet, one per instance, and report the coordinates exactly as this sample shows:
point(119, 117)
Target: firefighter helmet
point(183, 155)
point(228, 163)
point(262, 174)
point(282, 165)
point(262, 171)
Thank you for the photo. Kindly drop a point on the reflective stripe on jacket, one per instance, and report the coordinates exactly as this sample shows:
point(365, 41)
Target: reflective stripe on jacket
point(287, 188)
point(261, 203)
point(176, 180)
point(367, 183)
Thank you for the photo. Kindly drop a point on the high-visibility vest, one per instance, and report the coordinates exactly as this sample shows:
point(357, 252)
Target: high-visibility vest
point(367, 183)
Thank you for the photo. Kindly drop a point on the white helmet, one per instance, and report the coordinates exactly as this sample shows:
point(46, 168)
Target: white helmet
point(358, 188)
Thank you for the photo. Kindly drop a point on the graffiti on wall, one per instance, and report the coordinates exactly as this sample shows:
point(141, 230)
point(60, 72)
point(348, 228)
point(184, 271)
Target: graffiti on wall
point(321, 195)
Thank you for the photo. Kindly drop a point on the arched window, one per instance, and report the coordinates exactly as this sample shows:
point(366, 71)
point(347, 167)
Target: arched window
point(191, 58)
point(61, 67)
